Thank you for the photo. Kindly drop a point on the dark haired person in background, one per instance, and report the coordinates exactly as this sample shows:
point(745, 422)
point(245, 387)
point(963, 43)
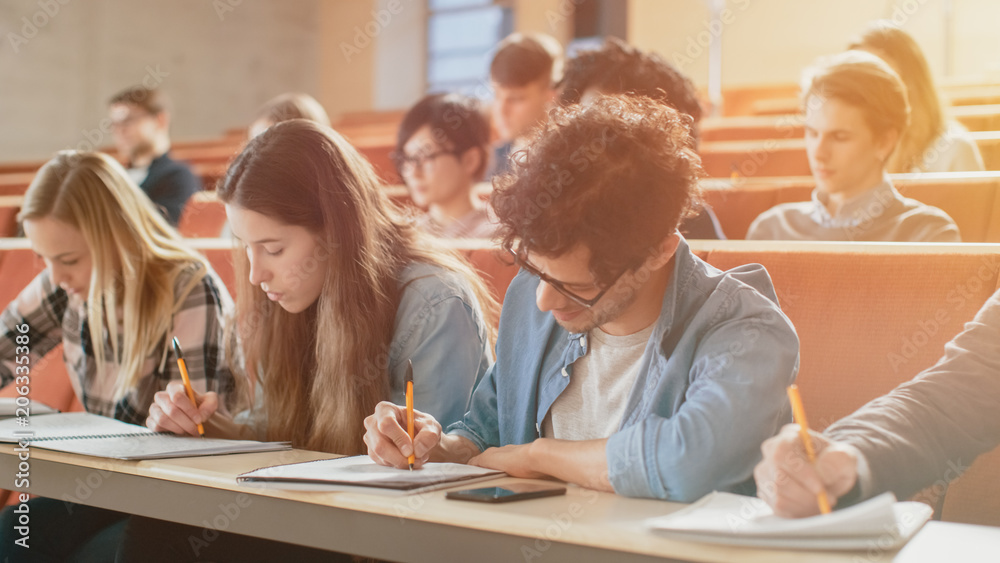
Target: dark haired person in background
point(624, 362)
point(442, 150)
point(140, 125)
point(617, 68)
point(523, 74)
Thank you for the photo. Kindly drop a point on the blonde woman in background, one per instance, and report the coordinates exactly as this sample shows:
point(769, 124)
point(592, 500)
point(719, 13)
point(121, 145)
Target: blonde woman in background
point(931, 143)
point(118, 284)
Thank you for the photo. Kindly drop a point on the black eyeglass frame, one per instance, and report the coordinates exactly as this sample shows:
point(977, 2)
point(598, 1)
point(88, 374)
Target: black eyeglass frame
point(401, 161)
point(560, 286)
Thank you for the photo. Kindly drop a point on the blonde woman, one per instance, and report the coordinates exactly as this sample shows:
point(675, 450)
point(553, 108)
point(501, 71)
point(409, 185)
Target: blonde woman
point(118, 285)
point(931, 143)
point(338, 294)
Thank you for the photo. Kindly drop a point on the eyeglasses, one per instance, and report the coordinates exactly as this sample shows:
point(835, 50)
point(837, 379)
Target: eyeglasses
point(560, 286)
point(405, 163)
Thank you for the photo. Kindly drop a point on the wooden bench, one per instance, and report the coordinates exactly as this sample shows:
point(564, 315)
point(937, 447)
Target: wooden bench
point(970, 198)
point(870, 316)
point(787, 156)
point(791, 126)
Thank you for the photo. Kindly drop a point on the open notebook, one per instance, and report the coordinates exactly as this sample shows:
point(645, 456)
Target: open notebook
point(9, 407)
point(741, 520)
point(361, 474)
point(90, 434)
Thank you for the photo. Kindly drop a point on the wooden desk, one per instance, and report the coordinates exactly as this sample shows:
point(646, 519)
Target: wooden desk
point(581, 526)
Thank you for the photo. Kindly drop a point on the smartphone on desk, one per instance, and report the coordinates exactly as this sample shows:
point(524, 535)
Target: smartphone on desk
point(507, 493)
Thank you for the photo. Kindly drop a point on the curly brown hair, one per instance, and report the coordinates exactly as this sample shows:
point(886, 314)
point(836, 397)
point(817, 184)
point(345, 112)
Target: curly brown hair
point(616, 176)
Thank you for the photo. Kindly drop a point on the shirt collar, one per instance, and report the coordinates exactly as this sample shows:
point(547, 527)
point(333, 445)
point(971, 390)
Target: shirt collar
point(860, 209)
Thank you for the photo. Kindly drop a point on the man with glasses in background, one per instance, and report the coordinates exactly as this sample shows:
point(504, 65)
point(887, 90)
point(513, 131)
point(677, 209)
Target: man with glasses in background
point(624, 362)
point(140, 125)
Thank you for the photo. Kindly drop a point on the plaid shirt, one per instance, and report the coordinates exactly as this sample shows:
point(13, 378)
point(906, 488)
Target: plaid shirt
point(53, 317)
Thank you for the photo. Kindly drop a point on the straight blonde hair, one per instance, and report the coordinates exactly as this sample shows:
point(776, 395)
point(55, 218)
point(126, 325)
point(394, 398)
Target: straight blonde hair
point(324, 369)
point(884, 39)
point(137, 257)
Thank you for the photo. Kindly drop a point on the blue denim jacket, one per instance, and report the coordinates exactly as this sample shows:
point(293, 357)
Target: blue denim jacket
point(710, 390)
point(439, 326)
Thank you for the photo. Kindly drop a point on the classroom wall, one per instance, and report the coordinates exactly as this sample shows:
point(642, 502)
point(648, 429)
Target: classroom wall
point(767, 41)
point(218, 60)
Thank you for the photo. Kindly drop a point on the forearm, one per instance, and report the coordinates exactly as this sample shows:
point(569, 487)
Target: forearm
point(454, 449)
point(583, 463)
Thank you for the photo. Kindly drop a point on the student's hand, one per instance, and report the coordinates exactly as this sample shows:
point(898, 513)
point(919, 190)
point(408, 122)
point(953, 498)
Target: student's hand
point(514, 460)
point(172, 410)
point(389, 443)
point(789, 483)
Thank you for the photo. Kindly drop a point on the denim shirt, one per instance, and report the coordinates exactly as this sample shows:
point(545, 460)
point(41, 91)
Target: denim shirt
point(440, 327)
point(710, 389)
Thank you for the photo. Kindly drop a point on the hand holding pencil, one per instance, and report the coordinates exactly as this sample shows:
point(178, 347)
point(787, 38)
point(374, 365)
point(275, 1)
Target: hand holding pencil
point(792, 484)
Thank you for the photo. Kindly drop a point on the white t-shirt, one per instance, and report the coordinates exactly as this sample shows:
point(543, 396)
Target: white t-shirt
point(593, 404)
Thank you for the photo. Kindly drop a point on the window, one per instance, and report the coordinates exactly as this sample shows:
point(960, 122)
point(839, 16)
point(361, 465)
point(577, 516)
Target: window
point(461, 35)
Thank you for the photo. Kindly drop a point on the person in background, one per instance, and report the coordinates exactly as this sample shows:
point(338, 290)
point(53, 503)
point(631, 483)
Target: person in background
point(855, 112)
point(140, 126)
point(337, 294)
point(932, 142)
point(617, 68)
point(291, 105)
point(108, 255)
point(441, 153)
point(523, 74)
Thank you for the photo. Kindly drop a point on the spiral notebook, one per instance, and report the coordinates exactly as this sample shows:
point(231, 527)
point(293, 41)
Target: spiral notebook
point(361, 474)
point(739, 520)
point(16, 406)
point(91, 434)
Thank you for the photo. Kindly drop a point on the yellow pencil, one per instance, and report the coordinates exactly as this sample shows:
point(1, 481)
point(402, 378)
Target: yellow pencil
point(187, 380)
point(799, 415)
point(409, 412)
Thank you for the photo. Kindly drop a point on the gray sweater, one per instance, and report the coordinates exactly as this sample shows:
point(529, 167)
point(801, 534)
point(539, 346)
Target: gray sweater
point(879, 214)
point(932, 427)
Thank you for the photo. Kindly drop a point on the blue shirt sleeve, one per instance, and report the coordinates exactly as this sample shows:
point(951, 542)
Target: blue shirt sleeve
point(736, 400)
point(446, 340)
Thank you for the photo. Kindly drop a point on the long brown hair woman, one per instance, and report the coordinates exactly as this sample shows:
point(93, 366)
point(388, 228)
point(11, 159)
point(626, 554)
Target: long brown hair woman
point(338, 293)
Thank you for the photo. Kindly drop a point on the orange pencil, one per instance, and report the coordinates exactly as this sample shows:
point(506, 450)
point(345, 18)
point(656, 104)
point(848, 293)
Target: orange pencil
point(187, 380)
point(409, 411)
point(799, 415)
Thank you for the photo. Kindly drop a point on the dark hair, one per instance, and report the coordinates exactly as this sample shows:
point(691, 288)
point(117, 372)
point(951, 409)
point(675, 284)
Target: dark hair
point(151, 100)
point(525, 58)
point(616, 176)
point(457, 124)
point(617, 68)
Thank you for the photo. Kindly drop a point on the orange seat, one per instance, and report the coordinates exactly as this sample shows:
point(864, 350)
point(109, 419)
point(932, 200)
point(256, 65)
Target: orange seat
point(204, 216)
point(970, 198)
point(871, 316)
